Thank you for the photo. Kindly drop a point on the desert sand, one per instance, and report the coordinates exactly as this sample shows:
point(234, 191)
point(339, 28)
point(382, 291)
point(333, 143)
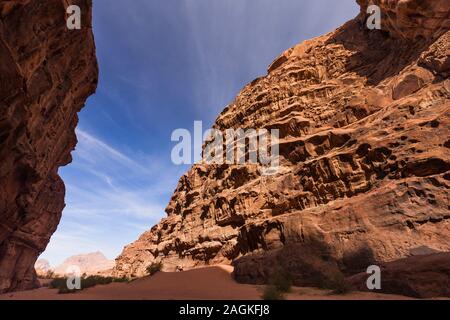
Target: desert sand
point(208, 283)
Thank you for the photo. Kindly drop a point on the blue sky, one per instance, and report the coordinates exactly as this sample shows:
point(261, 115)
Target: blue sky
point(163, 65)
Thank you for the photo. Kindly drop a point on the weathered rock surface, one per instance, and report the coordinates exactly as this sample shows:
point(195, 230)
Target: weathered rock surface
point(364, 153)
point(424, 276)
point(46, 74)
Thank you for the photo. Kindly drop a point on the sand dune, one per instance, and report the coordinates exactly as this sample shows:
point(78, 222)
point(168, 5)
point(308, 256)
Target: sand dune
point(210, 283)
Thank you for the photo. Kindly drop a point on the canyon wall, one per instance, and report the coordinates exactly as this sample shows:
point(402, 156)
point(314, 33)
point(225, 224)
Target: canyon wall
point(46, 74)
point(364, 158)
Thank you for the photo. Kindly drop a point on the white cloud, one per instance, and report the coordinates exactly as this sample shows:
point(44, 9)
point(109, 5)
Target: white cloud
point(94, 150)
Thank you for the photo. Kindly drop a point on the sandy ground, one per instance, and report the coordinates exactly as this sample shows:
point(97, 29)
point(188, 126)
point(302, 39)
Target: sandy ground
point(211, 283)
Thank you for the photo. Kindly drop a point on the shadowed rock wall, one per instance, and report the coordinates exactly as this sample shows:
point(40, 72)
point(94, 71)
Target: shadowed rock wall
point(46, 74)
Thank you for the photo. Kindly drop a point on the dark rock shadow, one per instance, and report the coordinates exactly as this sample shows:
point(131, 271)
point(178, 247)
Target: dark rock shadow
point(309, 264)
point(377, 56)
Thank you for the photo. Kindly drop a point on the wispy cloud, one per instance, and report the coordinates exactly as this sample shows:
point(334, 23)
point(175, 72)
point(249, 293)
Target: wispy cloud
point(94, 150)
point(109, 193)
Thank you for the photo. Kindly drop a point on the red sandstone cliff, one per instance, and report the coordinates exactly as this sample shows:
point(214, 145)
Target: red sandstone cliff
point(46, 74)
point(364, 122)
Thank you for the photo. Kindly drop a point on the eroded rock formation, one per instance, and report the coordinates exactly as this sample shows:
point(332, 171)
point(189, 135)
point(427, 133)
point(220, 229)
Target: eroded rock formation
point(46, 74)
point(364, 144)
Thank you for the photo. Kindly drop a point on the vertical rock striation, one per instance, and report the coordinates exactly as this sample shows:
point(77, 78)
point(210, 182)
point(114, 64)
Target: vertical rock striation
point(46, 74)
point(364, 145)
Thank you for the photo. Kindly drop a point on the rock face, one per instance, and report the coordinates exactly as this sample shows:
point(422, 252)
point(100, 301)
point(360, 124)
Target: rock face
point(46, 74)
point(364, 154)
point(90, 264)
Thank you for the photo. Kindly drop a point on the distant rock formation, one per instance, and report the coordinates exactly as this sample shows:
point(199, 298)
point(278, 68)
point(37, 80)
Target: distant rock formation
point(42, 267)
point(89, 264)
point(46, 74)
point(364, 145)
